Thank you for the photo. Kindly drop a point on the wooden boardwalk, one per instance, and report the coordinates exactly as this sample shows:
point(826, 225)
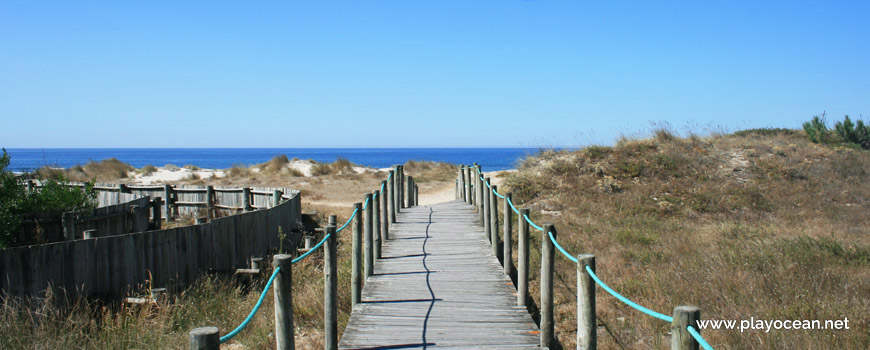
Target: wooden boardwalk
point(437, 286)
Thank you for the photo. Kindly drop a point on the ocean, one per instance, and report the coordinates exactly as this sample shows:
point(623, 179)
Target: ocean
point(28, 159)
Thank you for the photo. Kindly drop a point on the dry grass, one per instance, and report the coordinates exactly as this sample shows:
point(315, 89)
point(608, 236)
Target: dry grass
point(427, 171)
point(759, 224)
point(105, 170)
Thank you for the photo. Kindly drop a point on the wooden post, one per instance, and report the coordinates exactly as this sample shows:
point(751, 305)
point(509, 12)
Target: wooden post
point(416, 194)
point(330, 291)
point(479, 197)
point(246, 199)
point(487, 212)
point(276, 198)
point(284, 331)
point(522, 258)
point(121, 188)
point(367, 234)
point(332, 221)
point(587, 328)
point(356, 263)
point(468, 198)
point(156, 213)
point(69, 226)
point(209, 201)
point(508, 254)
point(205, 338)
point(385, 221)
point(257, 263)
point(88, 234)
point(376, 222)
point(493, 221)
point(167, 197)
point(463, 188)
point(685, 316)
point(392, 184)
point(402, 186)
point(548, 250)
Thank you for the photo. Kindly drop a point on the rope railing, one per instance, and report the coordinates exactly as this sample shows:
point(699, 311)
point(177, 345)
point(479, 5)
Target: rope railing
point(585, 267)
point(386, 205)
point(250, 317)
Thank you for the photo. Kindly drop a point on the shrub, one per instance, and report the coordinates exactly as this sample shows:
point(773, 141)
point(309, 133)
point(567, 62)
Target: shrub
point(53, 196)
point(148, 170)
point(816, 129)
point(858, 134)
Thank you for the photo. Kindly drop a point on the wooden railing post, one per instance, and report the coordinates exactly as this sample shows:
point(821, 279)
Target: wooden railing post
point(401, 186)
point(167, 197)
point(416, 194)
point(385, 221)
point(205, 338)
point(392, 184)
point(330, 291)
point(487, 212)
point(209, 201)
point(468, 183)
point(409, 183)
point(493, 222)
point(548, 250)
point(522, 258)
point(376, 222)
point(587, 328)
point(284, 331)
point(121, 188)
point(685, 316)
point(367, 234)
point(479, 196)
point(356, 262)
point(246, 199)
point(508, 254)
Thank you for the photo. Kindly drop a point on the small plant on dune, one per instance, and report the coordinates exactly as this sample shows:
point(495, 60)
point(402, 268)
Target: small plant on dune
point(148, 170)
point(191, 167)
point(274, 165)
point(857, 134)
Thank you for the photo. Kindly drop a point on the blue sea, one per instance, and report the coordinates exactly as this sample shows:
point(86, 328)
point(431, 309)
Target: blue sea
point(28, 159)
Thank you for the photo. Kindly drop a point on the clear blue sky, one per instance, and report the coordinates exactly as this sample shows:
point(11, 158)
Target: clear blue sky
point(430, 73)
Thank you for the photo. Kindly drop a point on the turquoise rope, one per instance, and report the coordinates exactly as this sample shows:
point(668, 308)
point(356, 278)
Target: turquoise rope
point(303, 256)
point(623, 299)
point(366, 204)
point(250, 317)
point(348, 220)
point(513, 207)
point(564, 252)
point(699, 338)
point(533, 224)
point(496, 193)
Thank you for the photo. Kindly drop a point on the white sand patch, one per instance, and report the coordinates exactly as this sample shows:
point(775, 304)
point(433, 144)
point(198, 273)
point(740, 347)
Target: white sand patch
point(164, 175)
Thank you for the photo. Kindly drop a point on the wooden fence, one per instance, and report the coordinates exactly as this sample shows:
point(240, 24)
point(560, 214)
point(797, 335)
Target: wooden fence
point(120, 265)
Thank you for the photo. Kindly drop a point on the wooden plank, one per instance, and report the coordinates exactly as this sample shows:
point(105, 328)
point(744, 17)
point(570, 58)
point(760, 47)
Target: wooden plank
point(437, 286)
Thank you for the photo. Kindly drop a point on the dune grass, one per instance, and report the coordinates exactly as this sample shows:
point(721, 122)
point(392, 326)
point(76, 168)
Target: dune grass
point(761, 224)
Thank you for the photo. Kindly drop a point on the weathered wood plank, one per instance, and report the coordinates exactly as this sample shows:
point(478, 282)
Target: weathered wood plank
point(438, 286)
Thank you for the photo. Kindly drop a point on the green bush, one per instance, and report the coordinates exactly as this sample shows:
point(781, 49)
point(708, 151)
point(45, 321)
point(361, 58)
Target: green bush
point(857, 134)
point(817, 130)
point(53, 196)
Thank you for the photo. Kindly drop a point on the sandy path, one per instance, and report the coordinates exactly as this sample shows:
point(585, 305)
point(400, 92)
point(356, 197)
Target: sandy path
point(440, 194)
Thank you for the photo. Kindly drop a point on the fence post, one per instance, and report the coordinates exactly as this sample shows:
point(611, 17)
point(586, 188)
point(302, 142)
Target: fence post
point(209, 201)
point(487, 212)
point(369, 252)
point(284, 331)
point(685, 316)
point(548, 250)
point(156, 213)
point(416, 194)
point(463, 188)
point(522, 258)
point(356, 258)
point(276, 198)
point(392, 184)
point(167, 195)
point(468, 183)
point(376, 222)
point(205, 338)
point(587, 328)
point(409, 192)
point(330, 291)
point(69, 226)
point(493, 221)
point(508, 254)
point(88, 234)
point(246, 199)
point(401, 183)
point(479, 197)
point(121, 188)
point(385, 221)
